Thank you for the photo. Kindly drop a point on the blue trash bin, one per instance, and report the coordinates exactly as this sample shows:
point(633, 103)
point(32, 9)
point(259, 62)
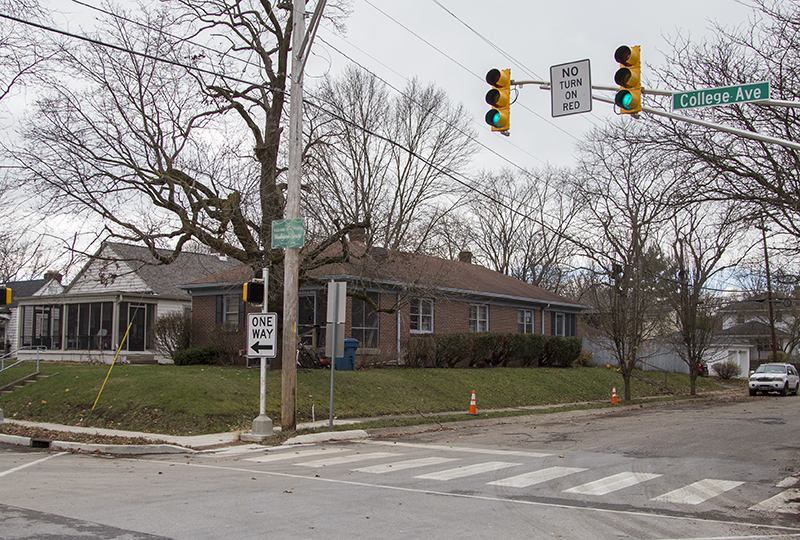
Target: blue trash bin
point(348, 363)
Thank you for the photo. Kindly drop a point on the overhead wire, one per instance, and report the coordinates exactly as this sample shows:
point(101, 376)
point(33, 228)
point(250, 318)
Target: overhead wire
point(446, 173)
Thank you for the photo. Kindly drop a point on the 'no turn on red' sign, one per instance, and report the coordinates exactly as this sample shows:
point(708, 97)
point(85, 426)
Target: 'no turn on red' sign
point(571, 88)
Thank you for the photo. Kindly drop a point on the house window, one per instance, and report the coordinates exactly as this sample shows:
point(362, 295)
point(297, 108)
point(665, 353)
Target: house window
point(365, 321)
point(564, 324)
point(136, 319)
point(478, 318)
point(90, 325)
point(230, 315)
point(41, 326)
point(312, 311)
point(421, 315)
point(525, 321)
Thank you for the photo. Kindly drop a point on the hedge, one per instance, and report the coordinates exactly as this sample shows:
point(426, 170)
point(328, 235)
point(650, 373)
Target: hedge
point(490, 349)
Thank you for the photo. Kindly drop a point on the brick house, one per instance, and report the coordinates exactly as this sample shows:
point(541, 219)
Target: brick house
point(421, 295)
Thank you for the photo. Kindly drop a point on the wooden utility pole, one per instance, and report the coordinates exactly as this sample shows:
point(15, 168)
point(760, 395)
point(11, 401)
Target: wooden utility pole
point(301, 44)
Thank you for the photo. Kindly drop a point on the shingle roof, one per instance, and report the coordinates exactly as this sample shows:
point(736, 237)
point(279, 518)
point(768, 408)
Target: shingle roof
point(751, 329)
point(164, 279)
point(414, 270)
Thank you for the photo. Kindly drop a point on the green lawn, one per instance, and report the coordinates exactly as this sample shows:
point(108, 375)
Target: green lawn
point(202, 399)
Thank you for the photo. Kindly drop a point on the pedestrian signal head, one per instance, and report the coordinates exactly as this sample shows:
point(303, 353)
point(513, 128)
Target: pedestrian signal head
point(253, 292)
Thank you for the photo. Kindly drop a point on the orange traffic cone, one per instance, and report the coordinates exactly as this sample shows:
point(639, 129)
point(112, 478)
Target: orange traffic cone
point(614, 396)
point(473, 409)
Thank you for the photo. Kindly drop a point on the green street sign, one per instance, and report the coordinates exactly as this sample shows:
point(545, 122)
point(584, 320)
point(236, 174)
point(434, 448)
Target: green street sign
point(288, 233)
point(726, 95)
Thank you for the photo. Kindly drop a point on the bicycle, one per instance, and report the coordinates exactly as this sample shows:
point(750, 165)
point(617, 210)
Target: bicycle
point(308, 359)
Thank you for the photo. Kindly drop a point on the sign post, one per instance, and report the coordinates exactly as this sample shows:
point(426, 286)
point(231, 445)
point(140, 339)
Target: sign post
point(571, 88)
point(262, 332)
point(337, 301)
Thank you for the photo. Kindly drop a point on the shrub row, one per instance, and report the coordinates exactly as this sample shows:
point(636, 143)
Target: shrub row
point(490, 349)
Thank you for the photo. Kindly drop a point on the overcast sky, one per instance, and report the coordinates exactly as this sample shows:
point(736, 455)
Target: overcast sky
point(402, 39)
point(452, 43)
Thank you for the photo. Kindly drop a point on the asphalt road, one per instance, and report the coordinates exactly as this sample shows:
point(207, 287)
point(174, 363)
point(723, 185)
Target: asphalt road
point(666, 471)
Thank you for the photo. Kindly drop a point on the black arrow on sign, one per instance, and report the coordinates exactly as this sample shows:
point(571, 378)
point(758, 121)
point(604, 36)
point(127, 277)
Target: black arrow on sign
point(258, 347)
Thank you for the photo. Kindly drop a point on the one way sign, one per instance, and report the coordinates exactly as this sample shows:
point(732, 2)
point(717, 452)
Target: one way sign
point(262, 331)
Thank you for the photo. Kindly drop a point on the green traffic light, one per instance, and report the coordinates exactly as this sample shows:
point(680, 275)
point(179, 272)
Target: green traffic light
point(493, 118)
point(623, 99)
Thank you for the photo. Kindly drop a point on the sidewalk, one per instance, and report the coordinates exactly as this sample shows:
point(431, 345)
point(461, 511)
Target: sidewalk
point(173, 444)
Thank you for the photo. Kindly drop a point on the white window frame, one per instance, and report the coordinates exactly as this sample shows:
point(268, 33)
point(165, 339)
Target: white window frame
point(419, 314)
point(478, 318)
point(526, 326)
point(231, 317)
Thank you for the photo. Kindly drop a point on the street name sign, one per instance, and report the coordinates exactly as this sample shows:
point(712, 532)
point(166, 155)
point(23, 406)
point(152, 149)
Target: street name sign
point(726, 95)
point(571, 88)
point(288, 233)
point(262, 335)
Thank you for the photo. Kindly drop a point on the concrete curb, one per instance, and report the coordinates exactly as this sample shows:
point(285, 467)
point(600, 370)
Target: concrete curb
point(122, 449)
point(328, 436)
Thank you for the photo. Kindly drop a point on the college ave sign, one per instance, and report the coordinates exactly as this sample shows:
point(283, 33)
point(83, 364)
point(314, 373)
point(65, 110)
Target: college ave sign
point(726, 95)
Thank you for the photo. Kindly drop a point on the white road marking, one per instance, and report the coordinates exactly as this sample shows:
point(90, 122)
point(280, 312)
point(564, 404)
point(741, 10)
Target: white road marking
point(470, 470)
point(404, 465)
point(613, 483)
point(698, 492)
point(783, 502)
point(288, 454)
point(352, 458)
point(467, 449)
point(536, 477)
point(31, 464)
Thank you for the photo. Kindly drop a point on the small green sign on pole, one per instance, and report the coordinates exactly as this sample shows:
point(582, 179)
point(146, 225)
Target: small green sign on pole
point(288, 233)
point(726, 95)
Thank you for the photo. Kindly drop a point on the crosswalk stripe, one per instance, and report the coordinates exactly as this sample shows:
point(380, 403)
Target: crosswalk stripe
point(467, 449)
point(783, 502)
point(607, 485)
point(287, 454)
point(461, 472)
point(352, 458)
point(698, 492)
point(404, 465)
point(536, 477)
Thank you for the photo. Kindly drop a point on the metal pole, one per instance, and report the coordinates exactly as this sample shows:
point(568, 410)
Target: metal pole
point(262, 409)
point(334, 337)
point(292, 256)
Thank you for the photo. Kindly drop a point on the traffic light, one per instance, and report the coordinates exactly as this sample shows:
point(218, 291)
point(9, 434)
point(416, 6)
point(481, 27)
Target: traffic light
point(253, 291)
point(628, 77)
point(499, 97)
point(5, 296)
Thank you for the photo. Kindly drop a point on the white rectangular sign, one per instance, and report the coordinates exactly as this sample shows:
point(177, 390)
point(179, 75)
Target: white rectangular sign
point(571, 88)
point(262, 335)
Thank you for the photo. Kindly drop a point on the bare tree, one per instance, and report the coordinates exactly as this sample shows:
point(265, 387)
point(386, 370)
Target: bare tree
point(726, 166)
point(627, 196)
point(522, 225)
point(386, 159)
point(23, 50)
point(702, 238)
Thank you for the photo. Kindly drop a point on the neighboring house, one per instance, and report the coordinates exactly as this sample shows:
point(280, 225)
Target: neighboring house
point(117, 295)
point(753, 338)
point(422, 295)
point(51, 284)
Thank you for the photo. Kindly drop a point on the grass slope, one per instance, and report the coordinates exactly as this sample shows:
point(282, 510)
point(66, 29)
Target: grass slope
point(202, 399)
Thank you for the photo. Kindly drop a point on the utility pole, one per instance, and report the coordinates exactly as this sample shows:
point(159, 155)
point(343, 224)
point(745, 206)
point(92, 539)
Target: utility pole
point(301, 44)
point(769, 292)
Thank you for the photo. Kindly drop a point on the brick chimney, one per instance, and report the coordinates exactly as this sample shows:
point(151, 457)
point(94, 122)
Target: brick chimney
point(465, 256)
point(53, 274)
point(358, 235)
